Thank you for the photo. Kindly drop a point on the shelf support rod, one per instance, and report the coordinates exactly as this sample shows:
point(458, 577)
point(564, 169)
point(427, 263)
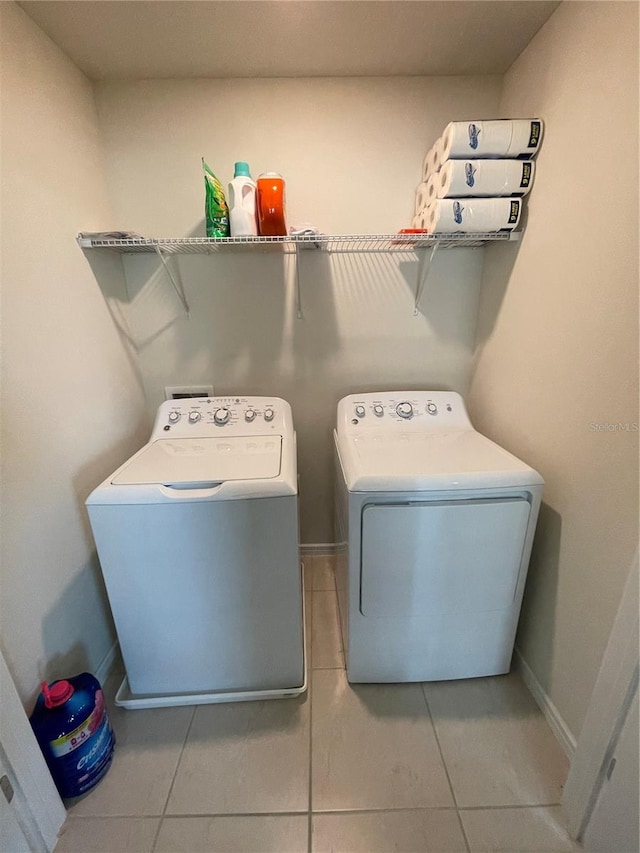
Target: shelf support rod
point(424, 266)
point(296, 260)
point(178, 289)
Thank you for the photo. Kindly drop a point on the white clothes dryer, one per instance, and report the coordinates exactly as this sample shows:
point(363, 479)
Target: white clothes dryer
point(197, 536)
point(434, 524)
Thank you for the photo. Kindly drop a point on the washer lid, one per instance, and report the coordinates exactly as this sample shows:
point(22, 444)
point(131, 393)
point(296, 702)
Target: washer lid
point(176, 461)
point(419, 461)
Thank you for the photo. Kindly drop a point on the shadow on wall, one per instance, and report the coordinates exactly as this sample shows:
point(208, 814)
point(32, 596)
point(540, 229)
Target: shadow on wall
point(499, 261)
point(85, 585)
point(90, 475)
point(541, 594)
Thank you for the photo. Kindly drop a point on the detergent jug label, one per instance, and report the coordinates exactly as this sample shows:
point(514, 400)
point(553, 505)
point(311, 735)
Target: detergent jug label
point(79, 770)
point(534, 135)
point(474, 133)
point(526, 175)
point(73, 740)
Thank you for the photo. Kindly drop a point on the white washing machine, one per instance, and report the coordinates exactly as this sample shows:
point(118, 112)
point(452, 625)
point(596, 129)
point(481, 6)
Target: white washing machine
point(197, 536)
point(435, 524)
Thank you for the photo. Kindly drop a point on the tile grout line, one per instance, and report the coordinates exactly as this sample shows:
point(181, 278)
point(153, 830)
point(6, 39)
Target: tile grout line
point(173, 780)
point(446, 769)
point(302, 812)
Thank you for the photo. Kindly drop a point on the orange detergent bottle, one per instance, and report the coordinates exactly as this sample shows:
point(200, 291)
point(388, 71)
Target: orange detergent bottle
point(271, 221)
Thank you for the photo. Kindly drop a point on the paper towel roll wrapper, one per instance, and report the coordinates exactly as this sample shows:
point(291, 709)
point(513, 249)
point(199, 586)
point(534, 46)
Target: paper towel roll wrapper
point(420, 197)
point(428, 163)
point(519, 138)
point(426, 193)
point(422, 219)
point(437, 154)
point(472, 215)
point(462, 178)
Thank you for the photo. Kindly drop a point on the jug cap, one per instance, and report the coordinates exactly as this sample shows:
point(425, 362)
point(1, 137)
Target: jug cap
point(241, 170)
point(57, 694)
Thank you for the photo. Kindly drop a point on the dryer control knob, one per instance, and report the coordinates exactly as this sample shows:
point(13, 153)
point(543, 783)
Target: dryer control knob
point(174, 417)
point(432, 408)
point(360, 411)
point(269, 414)
point(250, 415)
point(378, 411)
point(221, 416)
point(194, 417)
point(405, 410)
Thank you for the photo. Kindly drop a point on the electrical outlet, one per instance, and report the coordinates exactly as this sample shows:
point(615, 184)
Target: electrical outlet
point(182, 392)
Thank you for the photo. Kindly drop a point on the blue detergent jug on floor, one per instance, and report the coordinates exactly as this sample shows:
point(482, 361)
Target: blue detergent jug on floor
point(71, 725)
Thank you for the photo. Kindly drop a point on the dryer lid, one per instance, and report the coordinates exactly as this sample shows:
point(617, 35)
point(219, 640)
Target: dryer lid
point(181, 461)
point(421, 461)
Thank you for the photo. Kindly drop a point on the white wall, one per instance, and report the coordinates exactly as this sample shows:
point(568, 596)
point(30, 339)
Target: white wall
point(351, 151)
point(72, 404)
point(558, 338)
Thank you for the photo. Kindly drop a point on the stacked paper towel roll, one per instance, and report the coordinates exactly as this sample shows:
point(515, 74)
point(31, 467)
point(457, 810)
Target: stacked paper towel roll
point(472, 215)
point(511, 138)
point(479, 161)
point(461, 178)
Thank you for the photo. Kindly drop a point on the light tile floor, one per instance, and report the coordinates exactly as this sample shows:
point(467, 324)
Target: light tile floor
point(433, 768)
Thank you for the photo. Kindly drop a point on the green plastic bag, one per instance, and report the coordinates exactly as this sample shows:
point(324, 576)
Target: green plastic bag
point(216, 209)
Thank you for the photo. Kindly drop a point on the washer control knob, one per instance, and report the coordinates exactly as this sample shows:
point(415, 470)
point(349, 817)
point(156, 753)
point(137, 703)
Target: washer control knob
point(405, 410)
point(269, 414)
point(432, 408)
point(360, 411)
point(378, 411)
point(250, 415)
point(174, 417)
point(221, 416)
point(194, 417)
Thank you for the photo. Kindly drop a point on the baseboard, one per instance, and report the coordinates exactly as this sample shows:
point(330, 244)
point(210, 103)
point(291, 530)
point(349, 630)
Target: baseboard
point(558, 726)
point(319, 549)
point(103, 670)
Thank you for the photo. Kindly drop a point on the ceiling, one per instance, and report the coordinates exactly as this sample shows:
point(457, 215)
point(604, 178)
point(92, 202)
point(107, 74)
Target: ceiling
point(119, 39)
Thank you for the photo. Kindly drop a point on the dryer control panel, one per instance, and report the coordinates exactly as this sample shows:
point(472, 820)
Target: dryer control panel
point(213, 416)
point(389, 411)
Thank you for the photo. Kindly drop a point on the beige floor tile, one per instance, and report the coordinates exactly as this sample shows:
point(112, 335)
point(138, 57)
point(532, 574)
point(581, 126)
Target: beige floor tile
point(319, 571)
point(245, 757)
point(148, 746)
point(323, 573)
point(307, 563)
point(373, 747)
point(410, 831)
point(326, 645)
point(108, 835)
point(533, 830)
point(242, 834)
point(308, 614)
point(498, 748)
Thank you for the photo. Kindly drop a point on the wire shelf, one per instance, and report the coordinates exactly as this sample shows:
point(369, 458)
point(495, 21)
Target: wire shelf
point(342, 243)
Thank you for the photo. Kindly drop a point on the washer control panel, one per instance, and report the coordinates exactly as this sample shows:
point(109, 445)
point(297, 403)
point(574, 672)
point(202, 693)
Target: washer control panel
point(392, 410)
point(213, 416)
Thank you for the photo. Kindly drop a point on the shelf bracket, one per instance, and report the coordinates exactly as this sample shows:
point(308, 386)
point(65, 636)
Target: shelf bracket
point(296, 260)
point(424, 266)
point(178, 289)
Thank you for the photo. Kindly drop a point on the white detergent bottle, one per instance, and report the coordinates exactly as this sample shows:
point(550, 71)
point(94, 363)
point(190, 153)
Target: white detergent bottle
point(242, 203)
